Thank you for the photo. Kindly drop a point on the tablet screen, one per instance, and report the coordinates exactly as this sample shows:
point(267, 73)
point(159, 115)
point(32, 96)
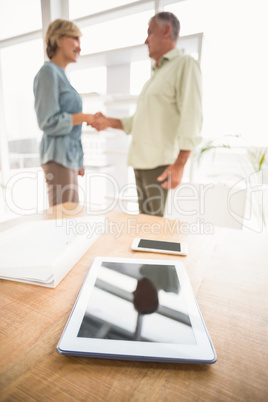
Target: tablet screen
point(141, 302)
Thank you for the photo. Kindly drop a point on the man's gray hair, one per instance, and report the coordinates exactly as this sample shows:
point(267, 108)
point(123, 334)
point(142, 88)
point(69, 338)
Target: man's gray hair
point(169, 18)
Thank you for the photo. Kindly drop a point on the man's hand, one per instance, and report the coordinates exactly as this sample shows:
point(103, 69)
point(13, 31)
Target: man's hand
point(100, 122)
point(171, 177)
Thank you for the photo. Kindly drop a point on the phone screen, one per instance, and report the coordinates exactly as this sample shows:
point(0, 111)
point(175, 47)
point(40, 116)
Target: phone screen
point(159, 245)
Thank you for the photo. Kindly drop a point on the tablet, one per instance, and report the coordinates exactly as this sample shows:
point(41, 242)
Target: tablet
point(137, 309)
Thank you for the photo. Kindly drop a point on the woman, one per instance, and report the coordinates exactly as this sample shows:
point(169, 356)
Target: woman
point(59, 113)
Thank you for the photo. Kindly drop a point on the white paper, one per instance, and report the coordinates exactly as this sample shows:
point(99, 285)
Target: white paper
point(43, 252)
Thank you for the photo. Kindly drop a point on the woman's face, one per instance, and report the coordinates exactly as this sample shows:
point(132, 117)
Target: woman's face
point(69, 46)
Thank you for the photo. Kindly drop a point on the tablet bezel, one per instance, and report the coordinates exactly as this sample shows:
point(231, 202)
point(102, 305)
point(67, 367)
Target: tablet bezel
point(70, 344)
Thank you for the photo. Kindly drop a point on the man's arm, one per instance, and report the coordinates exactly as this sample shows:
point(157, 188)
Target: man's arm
point(172, 175)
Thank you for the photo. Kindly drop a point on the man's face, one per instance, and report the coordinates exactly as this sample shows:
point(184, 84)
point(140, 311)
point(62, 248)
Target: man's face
point(154, 40)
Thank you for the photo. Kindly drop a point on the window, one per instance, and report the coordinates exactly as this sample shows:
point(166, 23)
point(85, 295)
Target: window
point(80, 8)
point(140, 72)
point(116, 33)
point(234, 64)
point(19, 65)
point(191, 15)
point(90, 80)
point(19, 17)
point(91, 83)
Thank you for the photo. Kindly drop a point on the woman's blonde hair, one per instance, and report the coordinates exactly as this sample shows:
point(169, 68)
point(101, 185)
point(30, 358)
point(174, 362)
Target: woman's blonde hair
point(57, 29)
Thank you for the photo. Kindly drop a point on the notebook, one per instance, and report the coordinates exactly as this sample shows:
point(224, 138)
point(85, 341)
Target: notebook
point(43, 252)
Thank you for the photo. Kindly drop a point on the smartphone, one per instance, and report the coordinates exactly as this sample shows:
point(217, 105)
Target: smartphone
point(159, 246)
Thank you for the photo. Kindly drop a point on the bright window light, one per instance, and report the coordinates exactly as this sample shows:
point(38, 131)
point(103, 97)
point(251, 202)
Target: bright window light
point(140, 72)
point(81, 8)
point(234, 64)
point(18, 17)
point(190, 14)
point(18, 87)
point(89, 80)
point(115, 34)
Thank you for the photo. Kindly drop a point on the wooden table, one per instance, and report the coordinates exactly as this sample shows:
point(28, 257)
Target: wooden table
point(229, 274)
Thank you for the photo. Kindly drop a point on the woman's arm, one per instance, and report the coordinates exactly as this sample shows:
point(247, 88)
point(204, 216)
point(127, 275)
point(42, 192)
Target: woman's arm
point(48, 110)
point(80, 118)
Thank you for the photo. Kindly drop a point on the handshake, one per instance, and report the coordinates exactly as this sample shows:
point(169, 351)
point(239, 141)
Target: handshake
point(99, 121)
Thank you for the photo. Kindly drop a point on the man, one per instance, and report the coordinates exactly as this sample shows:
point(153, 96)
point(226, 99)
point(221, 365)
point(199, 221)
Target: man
point(167, 123)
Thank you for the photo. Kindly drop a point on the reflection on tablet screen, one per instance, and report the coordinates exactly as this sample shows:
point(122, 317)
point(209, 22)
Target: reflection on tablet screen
point(140, 302)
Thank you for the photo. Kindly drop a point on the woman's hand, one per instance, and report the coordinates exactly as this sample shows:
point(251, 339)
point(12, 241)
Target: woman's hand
point(89, 119)
point(81, 172)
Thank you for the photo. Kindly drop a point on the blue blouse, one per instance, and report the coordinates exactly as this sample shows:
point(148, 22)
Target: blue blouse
point(55, 102)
